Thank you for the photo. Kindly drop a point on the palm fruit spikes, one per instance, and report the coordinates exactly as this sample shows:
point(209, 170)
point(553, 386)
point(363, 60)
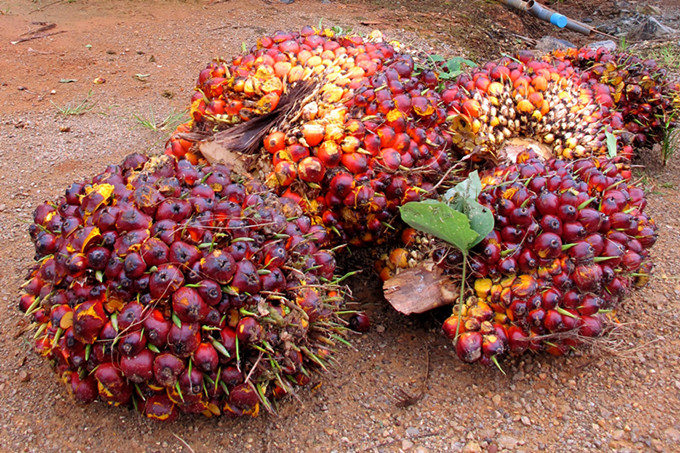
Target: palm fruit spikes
point(365, 141)
point(570, 241)
point(181, 288)
point(640, 89)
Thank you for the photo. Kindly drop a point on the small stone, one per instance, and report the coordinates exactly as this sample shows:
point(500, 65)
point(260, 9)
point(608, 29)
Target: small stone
point(53, 92)
point(422, 450)
point(380, 328)
point(550, 43)
point(472, 447)
point(406, 444)
point(65, 129)
point(3, 206)
point(618, 434)
point(507, 442)
point(331, 432)
point(24, 376)
point(672, 434)
point(607, 44)
point(412, 431)
point(21, 88)
point(496, 400)
point(525, 420)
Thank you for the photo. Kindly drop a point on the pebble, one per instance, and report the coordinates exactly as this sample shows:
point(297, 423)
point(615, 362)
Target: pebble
point(412, 431)
point(380, 328)
point(507, 442)
point(472, 447)
point(672, 434)
point(24, 376)
point(525, 420)
point(406, 444)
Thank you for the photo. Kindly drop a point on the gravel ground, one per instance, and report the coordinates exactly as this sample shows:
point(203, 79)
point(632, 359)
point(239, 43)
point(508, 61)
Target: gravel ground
point(627, 399)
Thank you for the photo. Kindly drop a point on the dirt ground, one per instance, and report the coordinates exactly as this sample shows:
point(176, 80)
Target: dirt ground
point(149, 54)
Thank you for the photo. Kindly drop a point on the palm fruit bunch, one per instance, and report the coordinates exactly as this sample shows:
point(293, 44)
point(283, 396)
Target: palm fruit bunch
point(174, 287)
point(569, 242)
point(529, 98)
point(639, 89)
point(368, 138)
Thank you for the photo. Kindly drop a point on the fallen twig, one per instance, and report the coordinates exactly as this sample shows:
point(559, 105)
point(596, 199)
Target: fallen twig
point(30, 38)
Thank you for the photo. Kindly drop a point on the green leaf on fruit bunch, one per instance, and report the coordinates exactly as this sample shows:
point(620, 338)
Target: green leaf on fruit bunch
point(442, 221)
point(611, 144)
point(470, 189)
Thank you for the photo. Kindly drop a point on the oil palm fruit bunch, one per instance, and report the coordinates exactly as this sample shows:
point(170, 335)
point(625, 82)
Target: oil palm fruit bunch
point(639, 89)
point(529, 98)
point(174, 287)
point(570, 240)
point(365, 139)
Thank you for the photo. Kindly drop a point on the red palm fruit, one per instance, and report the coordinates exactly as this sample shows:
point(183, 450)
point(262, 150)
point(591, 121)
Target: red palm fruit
point(166, 280)
point(329, 154)
point(88, 319)
point(590, 304)
point(191, 385)
point(228, 341)
point(160, 407)
point(313, 133)
point(130, 315)
point(174, 209)
point(492, 346)
point(156, 328)
point(249, 330)
point(154, 252)
point(550, 298)
point(547, 246)
point(588, 277)
point(210, 291)
point(218, 266)
point(469, 346)
point(246, 278)
point(573, 232)
point(188, 305)
point(590, 326)
point(134, 265)
point(567, 213)
point(166, 368)
point(591, 219)
point(45, 243)
point(631, 261)
point(517, 309)
point(84, 390)
point(132, 343)
point(184, 340)
point(582, 252)
point(244, 397)
point(113, 388)
point(536, 317)
point(390, 158)
point(526, 261)
point(231, 376)
point(553, 321)
point(326, 263)
point(205, 358)
point(596, 242)
point(357, 163)
point(360, 322)
point(613, 252)
point(311, 170)
point(98, 257)
point(275, 141)
point(76, 265)
point(138, 368)
point(551, 224)
point(132, 219)
point(285, 173)
point(166, 230)
point(183, 254)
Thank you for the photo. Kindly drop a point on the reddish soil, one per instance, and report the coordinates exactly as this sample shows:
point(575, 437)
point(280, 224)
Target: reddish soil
point(623, 400)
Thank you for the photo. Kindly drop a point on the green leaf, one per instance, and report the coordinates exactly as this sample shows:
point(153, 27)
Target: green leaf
point(442, 221)
point(611, 144)
point(436, 58)
point(471, 187)
point(481, 220)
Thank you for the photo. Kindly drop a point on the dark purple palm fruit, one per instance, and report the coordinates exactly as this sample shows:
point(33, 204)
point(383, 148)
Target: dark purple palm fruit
point(157, 327)
point(166, 369)
point(138, 368)
point(188, 305)
point(167, 279)
point(113, 388)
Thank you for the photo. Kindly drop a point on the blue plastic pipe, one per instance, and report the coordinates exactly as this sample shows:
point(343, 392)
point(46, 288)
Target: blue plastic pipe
point(549, 15)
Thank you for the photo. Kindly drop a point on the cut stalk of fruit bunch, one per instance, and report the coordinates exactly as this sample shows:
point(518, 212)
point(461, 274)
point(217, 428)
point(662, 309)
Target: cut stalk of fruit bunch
point(570, 241)
point(379, 126)
point(181, 288)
